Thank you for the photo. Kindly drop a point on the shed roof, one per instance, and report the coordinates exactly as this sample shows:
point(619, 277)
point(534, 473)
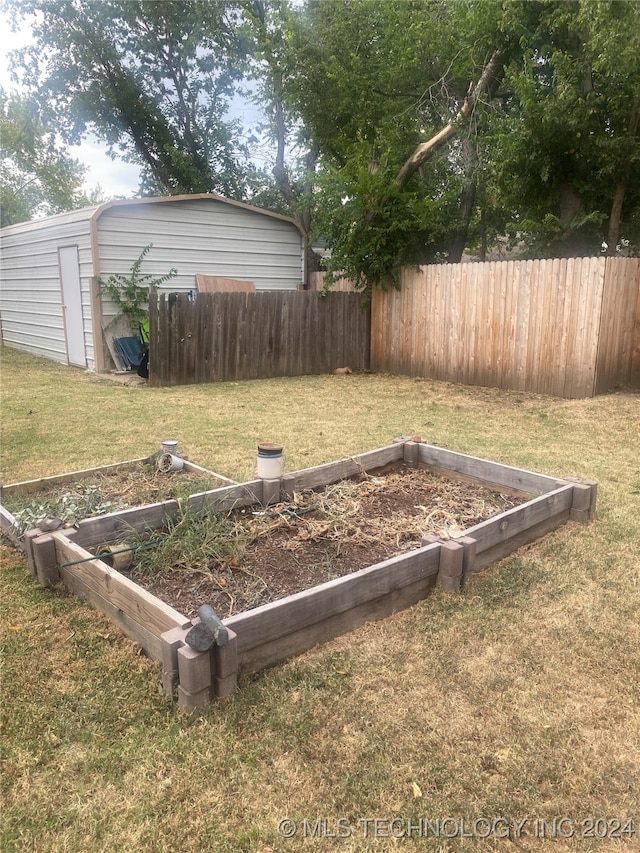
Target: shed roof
point(95, 211)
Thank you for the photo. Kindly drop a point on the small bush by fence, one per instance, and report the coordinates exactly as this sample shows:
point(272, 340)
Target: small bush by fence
point(214, 337)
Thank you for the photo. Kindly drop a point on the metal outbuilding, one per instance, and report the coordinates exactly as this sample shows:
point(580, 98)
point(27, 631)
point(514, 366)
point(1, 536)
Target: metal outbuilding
point(50, 304)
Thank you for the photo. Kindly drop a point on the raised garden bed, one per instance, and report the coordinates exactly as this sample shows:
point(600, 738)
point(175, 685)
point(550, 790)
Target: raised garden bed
point(322, 554)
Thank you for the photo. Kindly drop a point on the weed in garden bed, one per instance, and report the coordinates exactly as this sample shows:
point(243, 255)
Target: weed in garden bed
point(194, 541)
point(69, 505)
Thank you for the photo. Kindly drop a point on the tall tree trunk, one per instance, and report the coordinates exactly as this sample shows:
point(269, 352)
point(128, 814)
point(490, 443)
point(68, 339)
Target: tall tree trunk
point(469, 151)
point(459, 242)
point(483, 221)
point(301, 213)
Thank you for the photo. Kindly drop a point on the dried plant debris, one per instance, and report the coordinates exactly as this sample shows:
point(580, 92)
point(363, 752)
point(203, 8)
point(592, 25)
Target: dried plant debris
point(252, 556)
point(134, 485)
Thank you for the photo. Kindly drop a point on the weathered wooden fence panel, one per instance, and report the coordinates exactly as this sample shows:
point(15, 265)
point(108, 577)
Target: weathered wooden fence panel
point(566, 327)
point(216, 337)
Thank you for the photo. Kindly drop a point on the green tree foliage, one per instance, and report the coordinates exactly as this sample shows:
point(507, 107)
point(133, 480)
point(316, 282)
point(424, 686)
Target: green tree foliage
point(549, 156)
point(563, 156)
point(152, 79)
point(544, 148)
point(37, 177)
point(374, 80)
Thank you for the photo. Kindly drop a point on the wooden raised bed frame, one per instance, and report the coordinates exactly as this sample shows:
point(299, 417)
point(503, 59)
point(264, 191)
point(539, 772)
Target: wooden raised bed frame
point(269, 634)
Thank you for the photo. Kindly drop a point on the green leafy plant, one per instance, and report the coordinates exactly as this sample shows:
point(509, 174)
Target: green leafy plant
point(71, 506)
point(131, 292)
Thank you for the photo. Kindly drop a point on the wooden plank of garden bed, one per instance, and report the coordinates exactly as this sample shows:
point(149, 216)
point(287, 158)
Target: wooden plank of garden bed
point(9, 527)
point(29, 486)
point(504, 533)
point(270, 653)
point(228, 497)
point(105, 528)
point(486, 472)
point(297, 612)
point(508, 546)
point(332, 472)
point(148, 642)
point(138, 613)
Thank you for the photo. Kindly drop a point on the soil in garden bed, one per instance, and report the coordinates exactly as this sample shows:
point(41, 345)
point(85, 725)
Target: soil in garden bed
point(254, 556)
point(134, 485)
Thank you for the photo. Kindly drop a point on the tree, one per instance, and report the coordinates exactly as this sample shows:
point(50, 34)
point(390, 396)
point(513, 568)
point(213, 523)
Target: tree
point(563, 156)
point(37, 177)
point(374, 81)
point(271, 25)
point(544, 148)
point(402, 131)
point(152, 79)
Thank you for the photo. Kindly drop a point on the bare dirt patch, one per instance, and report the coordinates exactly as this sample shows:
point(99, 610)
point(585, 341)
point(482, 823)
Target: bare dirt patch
point(265, 554)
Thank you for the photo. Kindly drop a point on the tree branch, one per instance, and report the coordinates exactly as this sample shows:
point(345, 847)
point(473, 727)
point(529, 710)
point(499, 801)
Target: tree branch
point(488, 82)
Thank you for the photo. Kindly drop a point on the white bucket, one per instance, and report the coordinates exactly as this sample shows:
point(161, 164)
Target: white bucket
point(269, 461)
point(168, 462)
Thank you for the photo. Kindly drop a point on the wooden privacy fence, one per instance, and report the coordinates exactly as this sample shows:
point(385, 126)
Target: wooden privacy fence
point(566, 327)
point(212, 337)
point(343, 285)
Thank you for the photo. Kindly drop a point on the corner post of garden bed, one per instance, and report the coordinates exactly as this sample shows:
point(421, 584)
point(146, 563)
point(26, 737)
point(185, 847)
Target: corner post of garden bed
point(583, 506)
point(411, 450)
point(45, 560)
point(451, 568)
point(196, 678)
point(44, 556)
point(27, 544)
point(225, 667)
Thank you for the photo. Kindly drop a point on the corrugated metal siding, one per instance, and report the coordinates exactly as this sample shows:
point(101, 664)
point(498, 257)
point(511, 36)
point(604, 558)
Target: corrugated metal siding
point(201, 236)
point(31, 300)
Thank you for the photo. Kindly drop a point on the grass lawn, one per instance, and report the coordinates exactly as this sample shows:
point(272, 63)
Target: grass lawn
point(518, 700)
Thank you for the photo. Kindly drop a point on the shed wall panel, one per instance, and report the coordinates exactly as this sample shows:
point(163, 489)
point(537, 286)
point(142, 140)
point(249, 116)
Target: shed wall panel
point(195, 235)
point(31, 300)
point(202, 236)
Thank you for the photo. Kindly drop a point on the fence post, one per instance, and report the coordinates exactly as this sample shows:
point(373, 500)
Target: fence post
point(153, 335)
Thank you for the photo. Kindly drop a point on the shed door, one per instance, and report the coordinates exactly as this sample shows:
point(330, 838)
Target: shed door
point(72, 305)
